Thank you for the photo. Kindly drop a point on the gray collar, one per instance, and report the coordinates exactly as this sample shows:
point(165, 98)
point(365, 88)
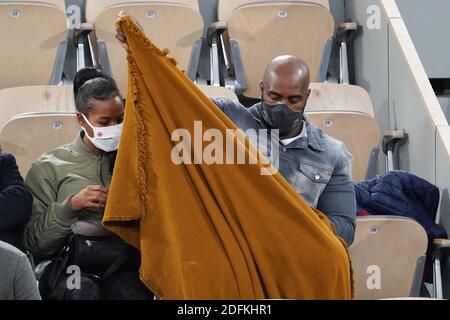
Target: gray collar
point(314, 136)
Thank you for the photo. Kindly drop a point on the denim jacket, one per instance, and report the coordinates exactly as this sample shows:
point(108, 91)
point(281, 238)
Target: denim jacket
point(317, 166)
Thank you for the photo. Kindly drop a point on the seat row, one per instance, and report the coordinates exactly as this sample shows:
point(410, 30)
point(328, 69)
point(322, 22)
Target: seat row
point(36, 50)
point(28, 114)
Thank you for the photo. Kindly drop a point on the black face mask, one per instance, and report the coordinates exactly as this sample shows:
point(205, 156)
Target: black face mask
point(281, 117)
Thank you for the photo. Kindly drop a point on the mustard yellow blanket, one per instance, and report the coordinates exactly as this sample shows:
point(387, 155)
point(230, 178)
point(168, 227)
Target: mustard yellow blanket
point(210, 231)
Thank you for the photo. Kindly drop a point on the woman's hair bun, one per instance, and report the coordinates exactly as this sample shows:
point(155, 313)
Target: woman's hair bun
point(84, 75)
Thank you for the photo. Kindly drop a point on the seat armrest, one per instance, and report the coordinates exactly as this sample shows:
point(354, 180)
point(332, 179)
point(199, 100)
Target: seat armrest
point(87, 26)
point(217, 28)
point(347, 26)
point(441, 243)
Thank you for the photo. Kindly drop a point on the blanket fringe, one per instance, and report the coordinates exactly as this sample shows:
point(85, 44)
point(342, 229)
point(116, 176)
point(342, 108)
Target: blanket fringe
point(142, 158)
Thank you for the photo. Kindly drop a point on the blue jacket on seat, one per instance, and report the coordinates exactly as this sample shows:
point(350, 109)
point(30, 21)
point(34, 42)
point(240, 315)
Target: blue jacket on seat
point(401, 193)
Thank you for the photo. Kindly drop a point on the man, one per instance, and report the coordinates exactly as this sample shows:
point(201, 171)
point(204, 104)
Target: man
point(15, 201)
point(315, 164)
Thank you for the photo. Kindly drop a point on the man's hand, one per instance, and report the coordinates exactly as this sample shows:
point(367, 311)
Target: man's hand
point(90, 197)
point(120, 35)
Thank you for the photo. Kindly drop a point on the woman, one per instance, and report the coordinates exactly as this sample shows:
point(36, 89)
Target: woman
point(70, 184)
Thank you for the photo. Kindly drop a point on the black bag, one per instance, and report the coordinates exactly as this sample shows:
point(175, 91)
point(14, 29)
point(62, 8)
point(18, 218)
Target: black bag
point(97, 257)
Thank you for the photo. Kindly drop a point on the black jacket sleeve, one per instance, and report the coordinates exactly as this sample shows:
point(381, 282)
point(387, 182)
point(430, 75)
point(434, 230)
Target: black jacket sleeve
point(15, 198)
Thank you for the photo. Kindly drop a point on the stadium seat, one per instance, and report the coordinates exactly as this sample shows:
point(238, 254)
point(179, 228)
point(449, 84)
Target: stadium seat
point(27, 136)
point(333, 97)
point(213, 92)
point(226, 7)
point(173, 24)
point(257, 32)
point(360, 133)
point(15, 101)
point(33, 42)
point(388, 257)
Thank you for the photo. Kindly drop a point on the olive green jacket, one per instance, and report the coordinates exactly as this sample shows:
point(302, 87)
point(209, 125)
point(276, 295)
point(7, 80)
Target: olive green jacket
point(54, 178)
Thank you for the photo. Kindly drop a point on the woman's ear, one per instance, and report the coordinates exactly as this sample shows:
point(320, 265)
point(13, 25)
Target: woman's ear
point(80, 119)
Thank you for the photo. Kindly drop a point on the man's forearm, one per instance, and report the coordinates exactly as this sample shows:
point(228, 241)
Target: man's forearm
point(345, 228)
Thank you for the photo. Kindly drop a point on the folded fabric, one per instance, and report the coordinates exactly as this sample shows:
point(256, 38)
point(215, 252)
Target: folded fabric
point(210, 231)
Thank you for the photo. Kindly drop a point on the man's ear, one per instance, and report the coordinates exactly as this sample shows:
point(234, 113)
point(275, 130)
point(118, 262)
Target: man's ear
point(308, 93)
point(261, 85)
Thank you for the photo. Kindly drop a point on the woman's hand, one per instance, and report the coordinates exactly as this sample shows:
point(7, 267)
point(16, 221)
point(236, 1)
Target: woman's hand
point(90, 197)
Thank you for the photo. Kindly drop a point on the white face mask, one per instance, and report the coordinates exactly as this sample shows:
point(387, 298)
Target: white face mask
point(105, 138)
